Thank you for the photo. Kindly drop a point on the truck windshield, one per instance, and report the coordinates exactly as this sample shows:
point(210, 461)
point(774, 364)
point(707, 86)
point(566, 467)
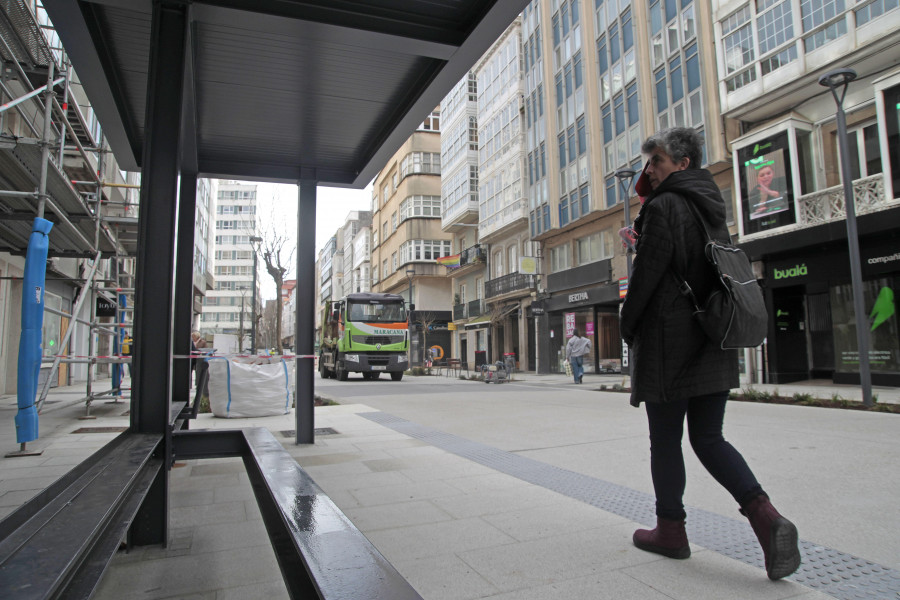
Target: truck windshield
point(377, 312)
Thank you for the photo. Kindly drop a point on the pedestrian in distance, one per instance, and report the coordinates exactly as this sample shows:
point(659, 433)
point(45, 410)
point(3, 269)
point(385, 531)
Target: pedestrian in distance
point(677, 371)
point(576, 348)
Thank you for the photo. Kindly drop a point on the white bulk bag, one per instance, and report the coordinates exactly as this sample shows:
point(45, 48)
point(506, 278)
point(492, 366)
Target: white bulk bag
point(238, 389)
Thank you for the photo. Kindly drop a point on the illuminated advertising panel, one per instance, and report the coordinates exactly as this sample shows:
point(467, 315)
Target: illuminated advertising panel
point(767, 187)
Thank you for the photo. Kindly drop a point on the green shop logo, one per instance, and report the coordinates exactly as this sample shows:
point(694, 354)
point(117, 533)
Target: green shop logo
point(795, 271)
point(759, 147)
point(883, 308)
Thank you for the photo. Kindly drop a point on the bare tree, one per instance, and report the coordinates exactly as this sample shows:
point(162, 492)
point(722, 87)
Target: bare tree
point(277, 252)
point(427, 319)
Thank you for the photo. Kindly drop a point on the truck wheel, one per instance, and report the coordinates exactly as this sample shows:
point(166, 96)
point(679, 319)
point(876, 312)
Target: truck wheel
point(397, 376)
point(340, 372)
point(323, 370)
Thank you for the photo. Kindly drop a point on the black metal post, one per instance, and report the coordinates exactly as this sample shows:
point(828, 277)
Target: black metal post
point(253, 240)
point(306, 310)
point(625, 177)
point(155, 281)
point(835, 80)
point(184, 288)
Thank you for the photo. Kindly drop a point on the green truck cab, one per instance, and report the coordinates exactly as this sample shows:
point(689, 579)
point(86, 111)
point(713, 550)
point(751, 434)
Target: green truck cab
point(364, 333)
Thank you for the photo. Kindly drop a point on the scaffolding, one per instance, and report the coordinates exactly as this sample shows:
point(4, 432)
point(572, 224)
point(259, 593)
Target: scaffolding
point(53, 165)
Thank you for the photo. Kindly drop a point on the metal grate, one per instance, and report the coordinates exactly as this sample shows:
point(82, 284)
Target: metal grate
point(830, 571)
point(100, 430)
point(290, 433)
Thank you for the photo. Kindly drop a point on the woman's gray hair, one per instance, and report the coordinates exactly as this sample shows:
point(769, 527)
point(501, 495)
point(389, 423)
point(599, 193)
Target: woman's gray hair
point(678, 143)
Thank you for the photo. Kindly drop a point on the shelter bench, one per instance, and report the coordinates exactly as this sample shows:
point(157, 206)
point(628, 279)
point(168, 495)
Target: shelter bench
point(58, 544)
point(320, 551)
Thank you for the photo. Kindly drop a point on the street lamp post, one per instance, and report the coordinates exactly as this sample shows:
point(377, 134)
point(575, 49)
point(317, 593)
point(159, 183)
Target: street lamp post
point(254, 239)
point(839, 80)
point(625, 177)
point(409, 274)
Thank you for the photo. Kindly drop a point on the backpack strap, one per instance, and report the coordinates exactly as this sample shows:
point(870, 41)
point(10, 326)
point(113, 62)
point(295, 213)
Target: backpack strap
point(683, 286)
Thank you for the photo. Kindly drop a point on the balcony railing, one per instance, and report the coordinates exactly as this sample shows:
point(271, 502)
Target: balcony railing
point(475, 308)
point(473, 255)
point(459, 311)
point(828, 205)
point(469, 310)
point(508, 283)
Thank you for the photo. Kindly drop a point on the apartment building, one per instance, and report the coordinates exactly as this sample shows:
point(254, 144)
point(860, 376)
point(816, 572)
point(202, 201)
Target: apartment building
point(407, 238)
point(229, 308)
point(771, 56)
point(502, 204)
point(203, 245)
point(355, 256)
point(599, 77)
point(470, 331)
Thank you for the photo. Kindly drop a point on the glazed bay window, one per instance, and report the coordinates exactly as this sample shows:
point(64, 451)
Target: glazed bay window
point(418, 250)
point(559, 258)
point(420, 162)
point(597, 246)
point(618, 88)
point(737, 31)
point(424, 206)
point(816, 13)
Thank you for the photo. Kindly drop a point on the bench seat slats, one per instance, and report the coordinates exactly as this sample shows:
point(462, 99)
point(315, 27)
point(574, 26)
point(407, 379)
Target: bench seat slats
point(338, 558)
point(43, 553)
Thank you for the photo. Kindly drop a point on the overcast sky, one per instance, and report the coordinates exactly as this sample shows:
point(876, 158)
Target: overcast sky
point(278, 210)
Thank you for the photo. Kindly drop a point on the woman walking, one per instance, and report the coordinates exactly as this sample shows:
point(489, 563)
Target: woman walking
point(677, 372)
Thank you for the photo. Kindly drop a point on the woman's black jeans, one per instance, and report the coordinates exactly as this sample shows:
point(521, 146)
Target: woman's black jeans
point(704, 417)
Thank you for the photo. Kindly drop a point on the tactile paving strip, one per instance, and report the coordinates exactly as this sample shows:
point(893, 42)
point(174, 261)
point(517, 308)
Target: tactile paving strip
point(826, 570)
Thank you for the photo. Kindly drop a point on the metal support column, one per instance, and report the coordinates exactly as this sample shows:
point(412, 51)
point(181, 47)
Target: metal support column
point(151, 386)
point(306, 309)
point(184, 288)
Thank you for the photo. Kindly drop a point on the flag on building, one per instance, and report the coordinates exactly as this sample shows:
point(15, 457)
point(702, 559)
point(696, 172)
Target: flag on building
point(451, 262)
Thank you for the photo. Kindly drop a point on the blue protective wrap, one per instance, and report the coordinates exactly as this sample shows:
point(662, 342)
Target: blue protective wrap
point(32, 325)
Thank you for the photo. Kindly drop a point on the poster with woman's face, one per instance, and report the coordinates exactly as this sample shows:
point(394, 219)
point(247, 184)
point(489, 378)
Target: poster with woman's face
point(767, 185)
point(764, 170)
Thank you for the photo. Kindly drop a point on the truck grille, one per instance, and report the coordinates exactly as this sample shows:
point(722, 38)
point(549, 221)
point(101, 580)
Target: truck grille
point(379, 360)
point(372, 340)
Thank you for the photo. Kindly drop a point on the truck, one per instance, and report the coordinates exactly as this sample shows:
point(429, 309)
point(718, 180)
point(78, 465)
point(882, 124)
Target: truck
point(364, 333)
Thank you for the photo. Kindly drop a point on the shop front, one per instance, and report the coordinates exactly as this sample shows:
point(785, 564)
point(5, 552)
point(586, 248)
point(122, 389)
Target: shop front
point(593, 311)
point(812, 330)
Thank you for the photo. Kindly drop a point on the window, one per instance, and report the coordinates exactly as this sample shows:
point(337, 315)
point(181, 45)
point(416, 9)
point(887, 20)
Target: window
point(420, 250)
point(420, 162)
point(512, 261)
point(815, 13)
point(865, 156)
point(394, 222)
point(423, 206)
point(739, 48)
point(874, 10)
point(394, 264)
point(559, 258)
point(597, 246)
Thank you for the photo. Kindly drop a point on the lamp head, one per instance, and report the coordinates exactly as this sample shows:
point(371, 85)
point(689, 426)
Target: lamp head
point(625, 174)
point(837, 78)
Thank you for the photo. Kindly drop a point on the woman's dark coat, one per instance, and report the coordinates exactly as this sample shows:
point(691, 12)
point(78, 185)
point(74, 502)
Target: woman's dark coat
point(671, 357)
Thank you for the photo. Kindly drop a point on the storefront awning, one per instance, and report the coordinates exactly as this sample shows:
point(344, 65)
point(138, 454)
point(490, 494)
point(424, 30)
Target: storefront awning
point(482, 321)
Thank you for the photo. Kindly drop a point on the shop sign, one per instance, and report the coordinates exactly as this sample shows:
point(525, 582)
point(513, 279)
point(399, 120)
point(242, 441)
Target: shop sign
point(623, 287)
point(106, 308)
point(795, 271)
point(589, 328)
point(579, 297)
point(570, 324)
